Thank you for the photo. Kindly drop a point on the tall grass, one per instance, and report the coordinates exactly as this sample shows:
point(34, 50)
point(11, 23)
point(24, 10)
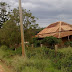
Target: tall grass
point(38, 59)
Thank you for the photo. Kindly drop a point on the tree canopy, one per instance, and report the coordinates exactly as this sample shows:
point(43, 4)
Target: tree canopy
point(29, 22)
point(4, 13)
point(10, 34)
point(10, 25)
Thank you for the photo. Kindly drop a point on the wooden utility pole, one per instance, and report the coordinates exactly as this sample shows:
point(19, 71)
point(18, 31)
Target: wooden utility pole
point(22, 31)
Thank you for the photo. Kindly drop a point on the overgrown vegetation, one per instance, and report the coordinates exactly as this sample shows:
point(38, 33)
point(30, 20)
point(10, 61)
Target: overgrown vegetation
point(68, 43)
point(38, 59)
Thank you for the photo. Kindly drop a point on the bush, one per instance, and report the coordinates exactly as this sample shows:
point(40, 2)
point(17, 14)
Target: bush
point(4, 47)
point(63, 60)
point(36, 42)
point(7, 52)
point(50, 41)
point(67, 60)
point(18, 51)
point(68, 43)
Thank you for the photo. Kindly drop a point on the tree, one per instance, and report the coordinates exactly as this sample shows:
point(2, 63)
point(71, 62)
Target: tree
point(3, 13)
point(10, 34)
point(29, 22)
point(12, 19)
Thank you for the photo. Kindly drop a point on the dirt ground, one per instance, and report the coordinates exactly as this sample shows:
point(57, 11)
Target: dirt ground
point(2, 69)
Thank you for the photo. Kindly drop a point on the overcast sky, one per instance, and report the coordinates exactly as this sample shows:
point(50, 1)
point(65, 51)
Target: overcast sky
point(48, 11)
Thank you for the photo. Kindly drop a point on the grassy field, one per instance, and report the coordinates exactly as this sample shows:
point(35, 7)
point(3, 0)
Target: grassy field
point(38, 60)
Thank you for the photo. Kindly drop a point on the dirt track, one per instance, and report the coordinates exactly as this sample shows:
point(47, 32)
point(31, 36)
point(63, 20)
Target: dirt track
point(4, 68)
point(1, 68)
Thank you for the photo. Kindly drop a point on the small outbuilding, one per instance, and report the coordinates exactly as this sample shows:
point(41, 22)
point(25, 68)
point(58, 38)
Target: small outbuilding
point(59, 30)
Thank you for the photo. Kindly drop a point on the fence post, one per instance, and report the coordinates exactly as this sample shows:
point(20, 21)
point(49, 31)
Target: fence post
point(56, 48)
point(32, 45)
point(41, 45)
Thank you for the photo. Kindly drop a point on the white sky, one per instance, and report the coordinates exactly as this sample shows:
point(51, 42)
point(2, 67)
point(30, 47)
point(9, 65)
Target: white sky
point(48, 11)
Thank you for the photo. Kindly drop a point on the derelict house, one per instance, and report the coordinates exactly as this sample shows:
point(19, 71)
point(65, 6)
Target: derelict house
point(59, 30)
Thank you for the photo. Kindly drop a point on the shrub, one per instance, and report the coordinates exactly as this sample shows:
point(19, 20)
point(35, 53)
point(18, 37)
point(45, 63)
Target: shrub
point(36, 42)
point(18, 51)
point(7, 52)
point(68, 43)
point(4, 47)
point(50, 41)
point(67, 60)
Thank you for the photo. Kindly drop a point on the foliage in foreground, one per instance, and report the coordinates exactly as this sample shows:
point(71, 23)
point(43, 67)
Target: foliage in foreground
point(38, 60)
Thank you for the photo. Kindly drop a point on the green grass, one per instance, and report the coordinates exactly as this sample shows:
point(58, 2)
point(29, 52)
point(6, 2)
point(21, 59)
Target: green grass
point(64, 50)
point(38, 60)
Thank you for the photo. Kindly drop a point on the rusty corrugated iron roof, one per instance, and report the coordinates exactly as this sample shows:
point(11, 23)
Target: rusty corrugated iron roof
point(58, 29)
